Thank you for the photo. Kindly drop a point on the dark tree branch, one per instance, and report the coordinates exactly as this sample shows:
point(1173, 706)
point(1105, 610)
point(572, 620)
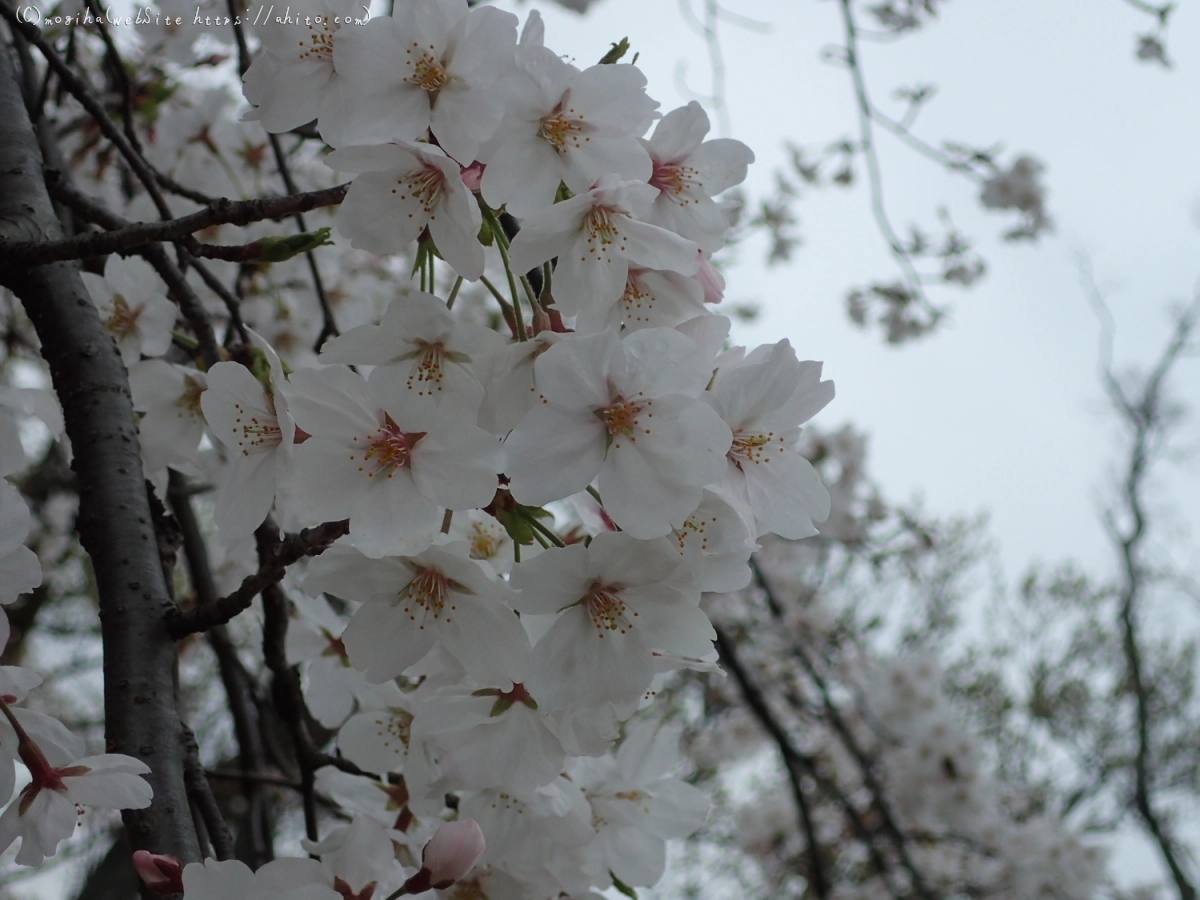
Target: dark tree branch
point(200, 792)
point(272, 567)
point(793, 761)
point(132, 236)
point(239, 687)
point(114, 521)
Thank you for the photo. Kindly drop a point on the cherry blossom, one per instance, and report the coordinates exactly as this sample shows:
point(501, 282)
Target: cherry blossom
point(20, 569)
point(689, 172)
point(133, 306)
point(401, 190)
point(615, 602)
point(637, 806)
point(419, 351)
point(388, 470)
point(172, 426)
point(294, 79)
point(597, 236)
point(253, 422)
point(213, 880)
point(45, 811)
point(440, 596)
point(621, 410)
point(764, 399)
point(564, 125)
point(488, 737)
point(434, 64)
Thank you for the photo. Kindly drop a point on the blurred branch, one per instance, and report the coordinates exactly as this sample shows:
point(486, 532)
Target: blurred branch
point(1144, 409)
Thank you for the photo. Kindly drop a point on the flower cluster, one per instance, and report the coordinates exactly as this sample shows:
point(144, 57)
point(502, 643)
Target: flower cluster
point(534, 497)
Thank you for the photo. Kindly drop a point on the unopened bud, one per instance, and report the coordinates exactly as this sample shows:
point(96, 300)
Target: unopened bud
point(160, 873)
point(472, 175)
point(450, 854)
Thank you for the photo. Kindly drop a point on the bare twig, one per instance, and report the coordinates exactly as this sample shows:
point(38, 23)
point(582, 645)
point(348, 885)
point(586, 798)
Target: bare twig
point(272, 567)
point(134, 235)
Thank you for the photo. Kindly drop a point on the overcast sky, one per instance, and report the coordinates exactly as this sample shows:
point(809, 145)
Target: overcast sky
point(1001, 410)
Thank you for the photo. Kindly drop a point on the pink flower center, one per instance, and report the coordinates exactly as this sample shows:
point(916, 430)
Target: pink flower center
point(676, 180)
point(624, 417)
point(124, 318)
point(390, 449)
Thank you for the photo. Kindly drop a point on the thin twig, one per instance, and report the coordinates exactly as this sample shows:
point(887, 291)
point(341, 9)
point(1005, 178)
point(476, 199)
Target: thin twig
point(272, 567)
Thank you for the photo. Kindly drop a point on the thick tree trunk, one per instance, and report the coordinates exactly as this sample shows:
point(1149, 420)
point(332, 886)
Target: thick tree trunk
point(115, 525)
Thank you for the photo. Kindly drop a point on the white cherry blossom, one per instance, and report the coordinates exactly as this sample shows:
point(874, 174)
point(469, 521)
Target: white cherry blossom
point(214, 880)
point(488, 737)
point(624, 411)
point(401, 190)
point(597, 237)
point(764, 399)
point(637, 807)
point(172, 426)
point(689, 172)
point(440, 596)
point(133, 306)
point(434, 64)
point(615, 602)
point(45, 812)
point(564, 125)
point(420, 351)
point(255, 426)
point(20, 569)
point(389, 470)
point(294, 80)
point(652, 299)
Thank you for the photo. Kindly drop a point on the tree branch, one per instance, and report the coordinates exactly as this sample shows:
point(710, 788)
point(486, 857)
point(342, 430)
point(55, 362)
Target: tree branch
point(131, 236)
point(272, 567)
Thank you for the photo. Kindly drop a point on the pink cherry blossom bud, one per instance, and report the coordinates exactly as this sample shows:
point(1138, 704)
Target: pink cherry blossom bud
point(161, 873)
point(472, 175)
point(711, 280)
point(452, 852)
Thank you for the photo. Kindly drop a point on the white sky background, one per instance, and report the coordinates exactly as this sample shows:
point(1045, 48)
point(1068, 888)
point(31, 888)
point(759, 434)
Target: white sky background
point(1001, 409)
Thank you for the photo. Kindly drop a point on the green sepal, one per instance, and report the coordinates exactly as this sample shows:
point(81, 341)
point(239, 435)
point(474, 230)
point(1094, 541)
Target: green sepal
point(279, 249)
point(622, 886)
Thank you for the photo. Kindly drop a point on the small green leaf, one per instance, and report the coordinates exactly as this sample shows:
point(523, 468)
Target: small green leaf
point(618, 50)
point(278, 249)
